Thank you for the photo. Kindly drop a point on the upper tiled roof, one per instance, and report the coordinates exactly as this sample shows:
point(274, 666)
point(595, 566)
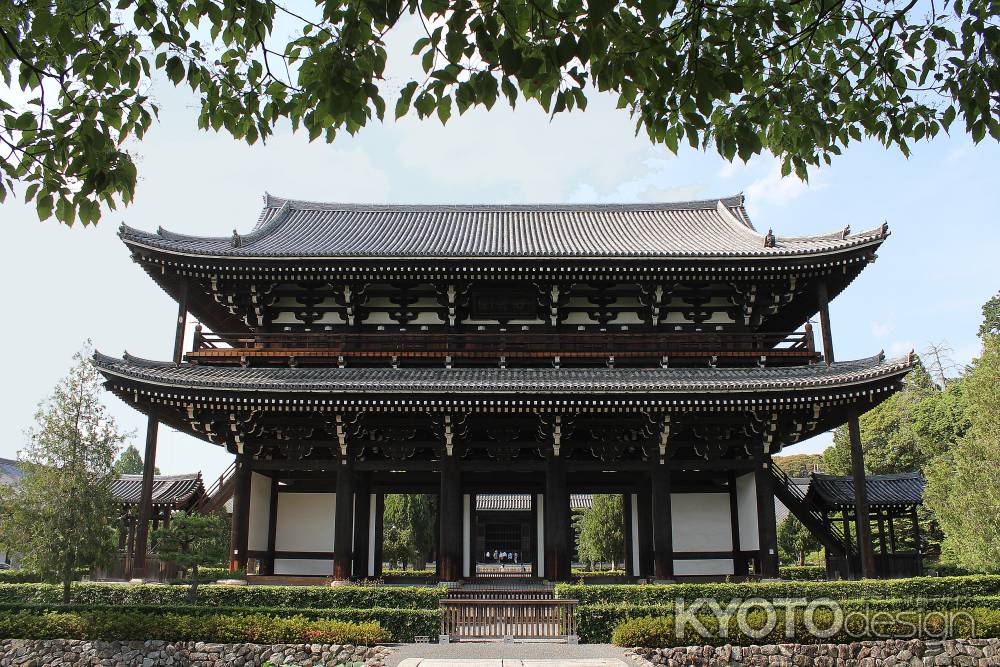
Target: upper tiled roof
point(899, 489)
point(369, 380)
point(172, 490)
point(697, 229)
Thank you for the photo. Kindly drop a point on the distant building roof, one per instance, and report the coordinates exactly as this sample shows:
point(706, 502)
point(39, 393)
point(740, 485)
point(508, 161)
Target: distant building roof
point(521, 502)
point(290, 229)
point(780, 511)
point(10, 471)
point(883, 490)
point(175, 491)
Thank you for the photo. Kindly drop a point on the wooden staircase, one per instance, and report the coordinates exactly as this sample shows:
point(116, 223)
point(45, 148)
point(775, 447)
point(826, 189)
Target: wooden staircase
point(219, 493)
point(792, 497)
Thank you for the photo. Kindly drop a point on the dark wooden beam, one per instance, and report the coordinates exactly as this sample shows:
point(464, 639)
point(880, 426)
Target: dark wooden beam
point(343, 528)
point(767, 531)
point(362, 511)
point(663, 538)
point(644, 509)
point(862, 522)
point(558, 554)
point(241, 513)
point(823, 297)
point(145, 500)
point(272, 526)
point(450, 519)
point(739, 563)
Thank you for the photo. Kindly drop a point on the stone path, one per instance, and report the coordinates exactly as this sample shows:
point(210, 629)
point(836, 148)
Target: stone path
point(500, 654)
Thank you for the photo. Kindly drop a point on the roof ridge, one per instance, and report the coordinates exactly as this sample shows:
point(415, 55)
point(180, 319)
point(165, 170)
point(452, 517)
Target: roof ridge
point(732, 201)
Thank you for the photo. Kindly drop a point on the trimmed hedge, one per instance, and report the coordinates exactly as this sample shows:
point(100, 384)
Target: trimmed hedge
point(181, 623)
point(869, 589)
point(311, 597)
point(256, 628)
point(19, 577)
point(802, 572)
point(596, 623)
point(410, 574)
point(659, 631)
point(595, 574)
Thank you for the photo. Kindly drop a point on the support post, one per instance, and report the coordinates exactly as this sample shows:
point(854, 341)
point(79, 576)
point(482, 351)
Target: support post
point(662, 520)
point(823, 297)
point(767, 530)
point(892, 533)
point(861, 516)
point(240, 535)
point(645, 541)
point(739, 563)
point(450, 519)
point(377, 557)
point(272, 527)
point(558, 555)
point(916, 540)
point(166, 569)
point(881, 542)
point(149, 460)
point(630, 529)
point(362, 511)
point(343, 527)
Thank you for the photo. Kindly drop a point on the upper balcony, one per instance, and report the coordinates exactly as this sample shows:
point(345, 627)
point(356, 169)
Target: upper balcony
point(505, 347)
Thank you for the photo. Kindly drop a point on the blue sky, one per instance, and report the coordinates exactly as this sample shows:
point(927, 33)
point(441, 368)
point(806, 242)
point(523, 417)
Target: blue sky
point(66, 285)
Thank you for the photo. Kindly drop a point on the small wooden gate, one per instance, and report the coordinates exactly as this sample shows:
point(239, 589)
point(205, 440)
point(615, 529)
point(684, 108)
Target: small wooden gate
point(508, 619)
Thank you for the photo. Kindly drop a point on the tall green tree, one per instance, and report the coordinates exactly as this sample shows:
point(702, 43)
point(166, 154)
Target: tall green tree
point(963, 484)
point(802, 80)
point(907, 430)
point(601, 537)
point(190, 541)
point(129, 462)
point(795, 541)
point(408, 528)
point(60, 512)
point(991, 317)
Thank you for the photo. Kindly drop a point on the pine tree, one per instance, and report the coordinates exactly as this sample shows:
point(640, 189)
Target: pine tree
point(130, 462)
point(60, 512)
point(189, 541)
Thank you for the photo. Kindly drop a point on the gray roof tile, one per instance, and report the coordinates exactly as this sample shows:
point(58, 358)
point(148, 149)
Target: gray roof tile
point(173, 490)
point(496, 380)
point(708, 228)
point(897, 489)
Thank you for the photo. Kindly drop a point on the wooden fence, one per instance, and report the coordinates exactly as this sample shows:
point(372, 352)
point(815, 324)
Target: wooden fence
point(508, 619)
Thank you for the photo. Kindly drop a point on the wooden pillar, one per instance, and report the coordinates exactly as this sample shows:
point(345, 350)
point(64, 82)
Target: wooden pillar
point(645, 545)
point(662, 521)
point(149, 460)
point(823, 297)
point(450, 519)
point(379, 523)
point(739, 562)
point(861, 516)
point(362, 511)
point(343, 527)
point(558, 554)
point(272, 527)
point(767, 531)
point(240, 535)
point(130, 547)
point(916, 539)
point(892, 533)
point(628, 510)
point(166, 569)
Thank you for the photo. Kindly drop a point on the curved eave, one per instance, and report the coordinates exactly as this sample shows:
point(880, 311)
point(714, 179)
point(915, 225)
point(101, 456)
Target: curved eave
point(676, 386)
point(839, 245)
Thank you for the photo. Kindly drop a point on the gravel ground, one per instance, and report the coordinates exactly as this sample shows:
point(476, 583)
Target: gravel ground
point(582, 655)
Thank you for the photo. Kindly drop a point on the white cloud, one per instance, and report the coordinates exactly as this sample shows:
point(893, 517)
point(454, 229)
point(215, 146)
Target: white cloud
point(881, 329)
point(774, 189)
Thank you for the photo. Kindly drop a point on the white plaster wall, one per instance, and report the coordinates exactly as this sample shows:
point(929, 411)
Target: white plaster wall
point(318, 567)
point(746, 502)
point(701, 522)
point(706, 567)
point(260, 510)
point(305, 522)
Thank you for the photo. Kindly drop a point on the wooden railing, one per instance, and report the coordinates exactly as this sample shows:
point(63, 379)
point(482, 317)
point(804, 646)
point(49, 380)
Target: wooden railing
point(218, 493)
point(508, 619)
point(528, 591)
point(223, 347)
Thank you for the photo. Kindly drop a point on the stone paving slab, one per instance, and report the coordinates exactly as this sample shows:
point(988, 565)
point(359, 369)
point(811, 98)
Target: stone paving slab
point(500, 654)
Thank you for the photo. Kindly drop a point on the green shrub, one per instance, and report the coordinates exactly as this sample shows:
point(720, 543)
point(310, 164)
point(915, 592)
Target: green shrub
point(803, 572)
point(19, 577)
point(312, 597)
point(342, 626)
point(592, 574)
point(662, 631)
point(597, 623)
point(870, 589)
point(412, 574)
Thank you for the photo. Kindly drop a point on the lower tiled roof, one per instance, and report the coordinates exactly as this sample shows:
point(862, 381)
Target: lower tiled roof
point(898, 489)
point(499, 381)
point(172, 490)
